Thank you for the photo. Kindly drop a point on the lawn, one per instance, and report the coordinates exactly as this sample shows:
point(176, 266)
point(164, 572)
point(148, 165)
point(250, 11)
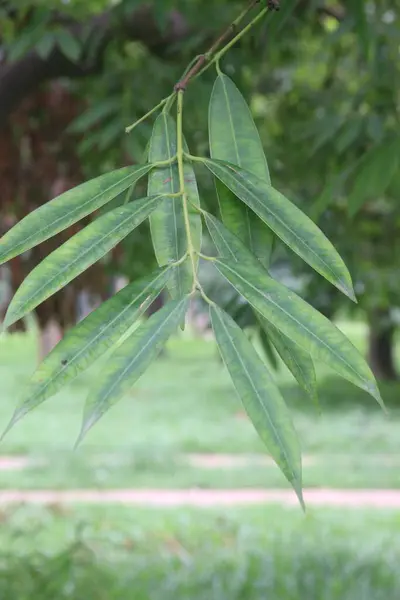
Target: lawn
point(106, 553)
point(185, 404)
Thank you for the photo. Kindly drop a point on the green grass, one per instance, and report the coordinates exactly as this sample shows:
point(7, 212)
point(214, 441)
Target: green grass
point(106, 553)
point(184, 404)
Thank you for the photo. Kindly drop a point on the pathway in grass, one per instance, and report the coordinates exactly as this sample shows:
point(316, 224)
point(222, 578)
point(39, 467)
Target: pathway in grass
point(206, 498)
point(377, 498)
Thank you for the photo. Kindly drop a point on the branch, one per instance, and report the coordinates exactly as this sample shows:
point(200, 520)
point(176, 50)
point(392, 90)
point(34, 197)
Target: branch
point(19, 79)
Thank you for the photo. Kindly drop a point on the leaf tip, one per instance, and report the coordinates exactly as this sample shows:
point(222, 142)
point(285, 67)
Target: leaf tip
point(348, 290)
point(297, 486)
point(79, 440)
point(18, 414)
point(373, 390)
point(80, 437)
point(87, 424)
point(9, 320)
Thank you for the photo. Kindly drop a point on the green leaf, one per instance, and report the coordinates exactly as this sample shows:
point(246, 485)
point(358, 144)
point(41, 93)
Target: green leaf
point(287, 221)
point(268, 349)
point(277, 21)
point(233, 134)
point(361, 25)
point(131, 359)
point(89, 340)
point(167, 222)
point(65, 210)
point(94, 114)
point(45, 45)
point(297, 360)
point(350, 132)
point(375, 173)
point(260, 396)
point(234, 138)
point(76, 255)
point(68, 44)
point(109, 133)
point(301, 323)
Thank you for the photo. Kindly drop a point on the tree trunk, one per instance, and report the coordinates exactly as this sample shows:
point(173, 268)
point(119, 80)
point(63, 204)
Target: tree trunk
point(381, 345)
point(49, 337)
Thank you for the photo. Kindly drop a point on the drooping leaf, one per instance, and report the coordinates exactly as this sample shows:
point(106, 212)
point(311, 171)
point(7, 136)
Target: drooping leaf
point(361, 25)
point(131, 359)
point(227, 244)
point(233, 134)
point(287, 221)
point(167, 222)
point(268, 348)
point(69, 45)
point(234, 138)
point(301, 323)
point(277, 21)
point(67, 209)
point(374, 174)
point(94, 114)
point(297, 360)
point(89, 340)
point(76, 255)
point(349, 133)
point(260, 396)
point(45, 45)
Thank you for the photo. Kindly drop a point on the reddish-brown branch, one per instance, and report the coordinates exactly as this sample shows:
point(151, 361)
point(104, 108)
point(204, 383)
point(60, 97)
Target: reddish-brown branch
point(203, 59)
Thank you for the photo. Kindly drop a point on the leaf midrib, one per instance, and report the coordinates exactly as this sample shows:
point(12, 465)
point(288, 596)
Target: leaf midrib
point(76, 209)
point(310, 388)
point(312, 334)
point(173, 201)
point(277, 436)
point(238, 158)
point(93, 340)
point(137, 356)
point(328, 267)
point(71, 264)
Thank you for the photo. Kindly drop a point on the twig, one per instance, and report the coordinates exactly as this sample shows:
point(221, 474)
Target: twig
point(204, 58)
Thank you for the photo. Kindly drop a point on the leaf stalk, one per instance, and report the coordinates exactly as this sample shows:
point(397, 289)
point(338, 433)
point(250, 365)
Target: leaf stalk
point(190, 246)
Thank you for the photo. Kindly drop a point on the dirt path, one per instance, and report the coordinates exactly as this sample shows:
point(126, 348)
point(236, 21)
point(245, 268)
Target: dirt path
point(206, 498)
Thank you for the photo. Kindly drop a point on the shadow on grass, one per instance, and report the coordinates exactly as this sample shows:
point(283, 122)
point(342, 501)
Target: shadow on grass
point(336, 394)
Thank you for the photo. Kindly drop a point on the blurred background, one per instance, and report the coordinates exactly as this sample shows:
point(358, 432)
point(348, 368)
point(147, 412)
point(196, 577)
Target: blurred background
point(323, 80)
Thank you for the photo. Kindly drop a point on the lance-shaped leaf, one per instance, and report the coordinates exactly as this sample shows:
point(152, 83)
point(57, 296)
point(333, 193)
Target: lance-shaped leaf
point(76, 255)
point(268, 349)
point(167, 222)
point(67, 209)
point(90, 339)
point(301, 323)
point(260, 396)
point(235, 139)
point(297, 360)
point(131, 359)
point(287, 221)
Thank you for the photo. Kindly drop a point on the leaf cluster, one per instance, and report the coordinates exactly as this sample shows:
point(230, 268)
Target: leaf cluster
point(253, 214)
